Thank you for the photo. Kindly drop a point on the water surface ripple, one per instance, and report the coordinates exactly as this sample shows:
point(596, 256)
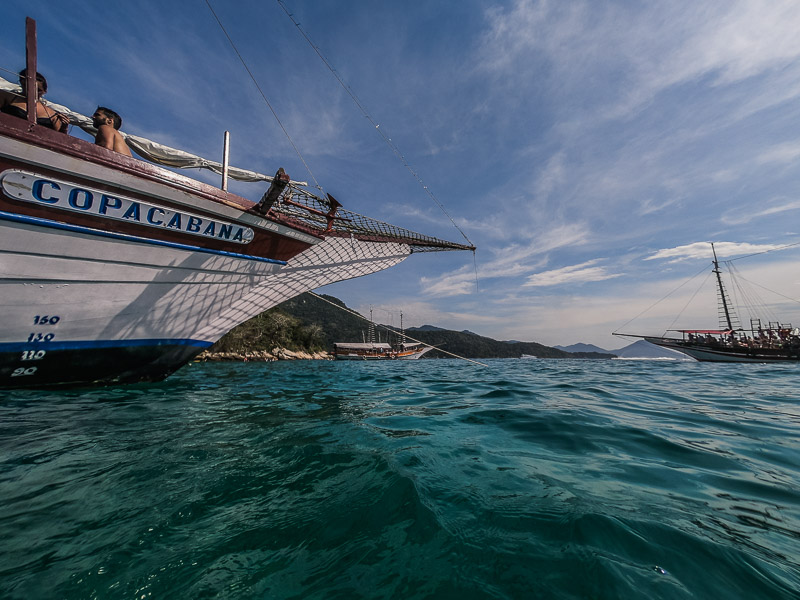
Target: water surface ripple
point(426, 479)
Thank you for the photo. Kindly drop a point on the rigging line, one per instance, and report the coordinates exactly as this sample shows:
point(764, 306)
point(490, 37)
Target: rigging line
point(740, 276)
point(263, 95)
point(659, 301)
point(726, 296)
point(697, 291)
point(737, 292)
point(389, 329)
point(765, 251)
point(475, 264)
point(366, 114)
point(14, 73)
point(753, 303)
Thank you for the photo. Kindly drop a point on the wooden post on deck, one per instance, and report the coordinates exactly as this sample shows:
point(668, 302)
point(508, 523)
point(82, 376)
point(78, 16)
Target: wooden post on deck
point(226, 150)
point(30, 65)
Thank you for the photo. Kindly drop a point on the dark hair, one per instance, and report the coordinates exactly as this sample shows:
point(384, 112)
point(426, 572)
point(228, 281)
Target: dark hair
point(110, 113)
point(39, 77)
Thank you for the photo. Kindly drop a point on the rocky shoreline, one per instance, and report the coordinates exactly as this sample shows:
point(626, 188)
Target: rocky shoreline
point(262, 356)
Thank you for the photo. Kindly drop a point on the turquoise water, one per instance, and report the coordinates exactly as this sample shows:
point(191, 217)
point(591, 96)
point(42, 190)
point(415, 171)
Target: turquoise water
point(424, 479)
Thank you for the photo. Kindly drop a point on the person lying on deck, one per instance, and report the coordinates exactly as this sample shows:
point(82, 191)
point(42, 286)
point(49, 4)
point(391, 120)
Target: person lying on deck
point(108, 136)
point(17, 105)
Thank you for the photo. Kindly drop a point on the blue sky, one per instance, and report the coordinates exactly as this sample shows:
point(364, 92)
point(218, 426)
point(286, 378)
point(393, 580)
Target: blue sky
point(588, 149)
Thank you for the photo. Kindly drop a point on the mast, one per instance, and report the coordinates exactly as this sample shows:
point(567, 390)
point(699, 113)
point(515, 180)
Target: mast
point(723, 297)
point(31, 87)
point(371, 327)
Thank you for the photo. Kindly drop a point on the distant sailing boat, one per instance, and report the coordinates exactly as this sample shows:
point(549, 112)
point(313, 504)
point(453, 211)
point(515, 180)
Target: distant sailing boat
point(372, 350)
point(763, 342)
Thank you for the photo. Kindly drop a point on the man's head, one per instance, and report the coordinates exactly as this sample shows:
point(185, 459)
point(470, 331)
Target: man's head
point(106, 116)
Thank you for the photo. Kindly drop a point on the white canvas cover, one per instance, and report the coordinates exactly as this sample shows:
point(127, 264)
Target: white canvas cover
point(362, 346)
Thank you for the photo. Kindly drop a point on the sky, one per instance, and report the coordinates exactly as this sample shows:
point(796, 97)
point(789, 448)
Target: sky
point(590, 150)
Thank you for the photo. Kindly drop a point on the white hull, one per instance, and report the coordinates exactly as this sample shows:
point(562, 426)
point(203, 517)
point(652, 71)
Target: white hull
point(112, 289)
point(123, 293)
point(709, 354)
point(415, 355)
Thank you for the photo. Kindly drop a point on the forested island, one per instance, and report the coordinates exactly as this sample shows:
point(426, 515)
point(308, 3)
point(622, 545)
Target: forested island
point(306, 327)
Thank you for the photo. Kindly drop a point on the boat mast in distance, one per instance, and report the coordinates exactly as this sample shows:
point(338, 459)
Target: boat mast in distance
point(775, 342)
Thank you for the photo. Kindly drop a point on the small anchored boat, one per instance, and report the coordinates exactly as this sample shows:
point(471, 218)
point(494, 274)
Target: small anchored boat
point(402, 349)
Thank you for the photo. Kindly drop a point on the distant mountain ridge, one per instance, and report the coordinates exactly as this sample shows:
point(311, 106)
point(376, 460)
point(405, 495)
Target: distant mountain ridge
point(336, 325)
point(472, 345)
point(638, 349)
point(583, 348)
point(311, 323)
point(643, 349)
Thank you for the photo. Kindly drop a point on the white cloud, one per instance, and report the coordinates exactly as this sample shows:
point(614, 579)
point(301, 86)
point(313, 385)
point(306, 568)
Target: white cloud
point(678, 43)
point(781, 154)
point(745, 39)
point(582, 273)
point(648, 48)
point(646, 108)
point(636, 307)
point(458, 283)
point(515, 260)
point(553, 175)
point(703, 250)
point(739, 217)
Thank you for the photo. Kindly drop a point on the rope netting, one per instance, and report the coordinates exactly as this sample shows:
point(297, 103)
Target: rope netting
point(327, 217)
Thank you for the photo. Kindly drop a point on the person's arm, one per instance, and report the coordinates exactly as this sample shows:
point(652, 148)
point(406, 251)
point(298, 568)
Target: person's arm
point(60, 122)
